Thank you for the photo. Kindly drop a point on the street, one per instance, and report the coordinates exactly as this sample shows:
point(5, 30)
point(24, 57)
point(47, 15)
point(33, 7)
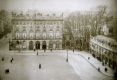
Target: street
point(25, 65)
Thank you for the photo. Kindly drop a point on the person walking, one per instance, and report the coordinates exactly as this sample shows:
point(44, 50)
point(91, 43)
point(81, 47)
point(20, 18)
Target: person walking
point(2, 58)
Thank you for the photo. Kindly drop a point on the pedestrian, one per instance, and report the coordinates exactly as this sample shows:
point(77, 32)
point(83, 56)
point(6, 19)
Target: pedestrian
point(88, 58)
point(105, 69)
point(34, 49)
point(7, 71)
point(12, 58)
point(39, 66)
point(98, 68)
point(11, 61)
point(2, 58)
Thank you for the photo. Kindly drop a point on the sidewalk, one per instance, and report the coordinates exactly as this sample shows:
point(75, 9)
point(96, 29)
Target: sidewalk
point(96, 63)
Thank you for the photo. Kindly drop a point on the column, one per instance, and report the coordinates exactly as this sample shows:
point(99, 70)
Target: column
point(54, 44)
point(40, 44)
point(60, 44)
point(47, 44)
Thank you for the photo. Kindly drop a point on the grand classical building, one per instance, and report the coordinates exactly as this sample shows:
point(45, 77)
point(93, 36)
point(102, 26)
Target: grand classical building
point(37, 31)
point(105, 49)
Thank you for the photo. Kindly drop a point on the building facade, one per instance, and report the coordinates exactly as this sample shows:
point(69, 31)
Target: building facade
point(37, 31)
point(105, 49)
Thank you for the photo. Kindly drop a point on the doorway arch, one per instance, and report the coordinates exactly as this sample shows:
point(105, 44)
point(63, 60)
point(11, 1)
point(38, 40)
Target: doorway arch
point(51, 44)
point(44, 45)
point(57, 44)
point(17, 45)
point(31, 45)
point(37, 44)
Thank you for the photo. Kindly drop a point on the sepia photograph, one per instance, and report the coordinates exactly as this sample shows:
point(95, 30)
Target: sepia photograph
point(58, 39)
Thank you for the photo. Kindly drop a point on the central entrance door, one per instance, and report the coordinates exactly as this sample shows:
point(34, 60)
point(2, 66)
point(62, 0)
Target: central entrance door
point(44, 45)
point(37, 45)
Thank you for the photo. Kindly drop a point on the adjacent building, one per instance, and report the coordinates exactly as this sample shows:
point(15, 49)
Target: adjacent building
point(105, 49)
point(36, 31)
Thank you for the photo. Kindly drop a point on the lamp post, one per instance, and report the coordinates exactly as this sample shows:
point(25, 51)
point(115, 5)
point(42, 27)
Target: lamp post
point(9, 44)
point(67, 55)
point(75, 38)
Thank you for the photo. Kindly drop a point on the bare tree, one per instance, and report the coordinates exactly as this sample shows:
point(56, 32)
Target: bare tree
point(81, 20)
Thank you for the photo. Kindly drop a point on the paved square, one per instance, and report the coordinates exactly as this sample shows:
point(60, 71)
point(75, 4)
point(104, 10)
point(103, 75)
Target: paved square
point(26, 67)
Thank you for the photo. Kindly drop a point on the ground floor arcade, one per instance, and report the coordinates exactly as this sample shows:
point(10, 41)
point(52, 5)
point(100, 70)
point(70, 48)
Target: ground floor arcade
point(35, 44)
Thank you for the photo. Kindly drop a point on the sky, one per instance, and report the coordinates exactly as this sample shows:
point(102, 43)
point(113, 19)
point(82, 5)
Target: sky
point(56, 5)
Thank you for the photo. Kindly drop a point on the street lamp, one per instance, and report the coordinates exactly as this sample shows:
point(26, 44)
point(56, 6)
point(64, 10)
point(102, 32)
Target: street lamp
point(67, 55)
point(9, 44)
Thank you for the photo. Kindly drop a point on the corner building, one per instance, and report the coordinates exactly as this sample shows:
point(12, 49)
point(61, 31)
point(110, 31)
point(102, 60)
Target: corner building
point(36, 31)
point(104, 49)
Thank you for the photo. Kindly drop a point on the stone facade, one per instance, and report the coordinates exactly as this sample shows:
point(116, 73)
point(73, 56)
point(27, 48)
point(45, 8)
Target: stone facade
point(37, 31)
point(104, 49)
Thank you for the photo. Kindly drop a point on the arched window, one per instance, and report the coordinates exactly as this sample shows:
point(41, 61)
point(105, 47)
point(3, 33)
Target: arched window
point(24, 34)
point(17, 34)
point(50, 44)
point(51, 34)
point(31, 34)
point(57, 44)
point(24, 44)
point(44, 34)
point(17, 44)
point(37, 34)
point(57, 34)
